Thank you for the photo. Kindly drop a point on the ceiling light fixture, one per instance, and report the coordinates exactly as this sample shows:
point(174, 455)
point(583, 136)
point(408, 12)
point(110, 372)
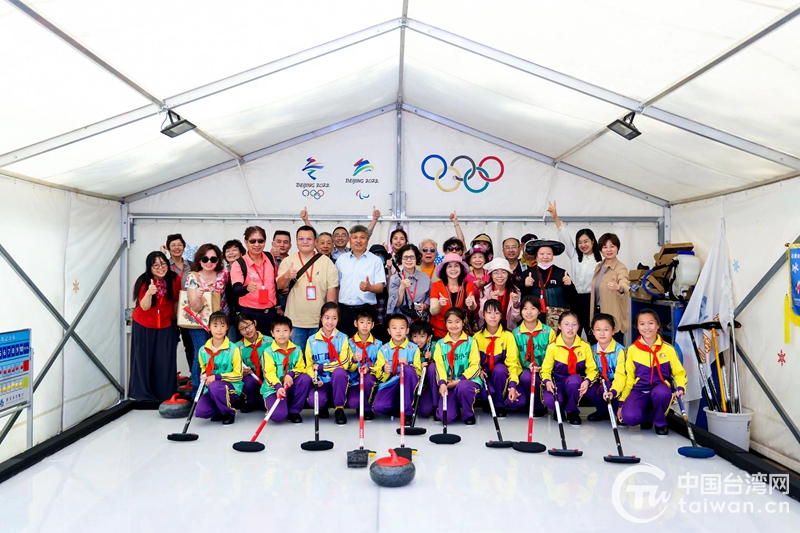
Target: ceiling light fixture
point(176, 128)
point(625, 127)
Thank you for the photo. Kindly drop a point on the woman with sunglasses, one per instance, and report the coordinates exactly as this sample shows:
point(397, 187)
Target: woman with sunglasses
point(154, 336)
point(253, 278)
point(207, 275)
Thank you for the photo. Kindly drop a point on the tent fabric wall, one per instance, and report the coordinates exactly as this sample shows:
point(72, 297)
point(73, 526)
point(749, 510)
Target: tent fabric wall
point(759, 222)
point(58, 237)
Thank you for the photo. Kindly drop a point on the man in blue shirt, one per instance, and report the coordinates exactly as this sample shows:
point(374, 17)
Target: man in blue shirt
point(361, 278)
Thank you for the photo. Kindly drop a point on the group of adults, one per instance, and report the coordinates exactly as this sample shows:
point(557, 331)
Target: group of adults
point(420, 281)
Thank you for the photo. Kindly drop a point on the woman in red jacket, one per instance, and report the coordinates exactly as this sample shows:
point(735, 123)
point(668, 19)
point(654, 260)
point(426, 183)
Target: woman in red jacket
point(154, 336)
point(452, 290)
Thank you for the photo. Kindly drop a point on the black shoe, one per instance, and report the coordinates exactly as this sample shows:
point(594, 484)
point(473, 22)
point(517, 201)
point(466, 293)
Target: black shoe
point(247, 409)
point(341, 418)
point(540, 413)
point(217, 418)
point(323, 413)
point(436, 418)
point(502, 412)
point(470, 421)
point(574, 419)
point(369, 415)
point(486, 408)
point(646, 425)
point(597, 416)
point(295, 418)
point(621, 424)
point(227, 420)
point(239, 403)
point(662, 431)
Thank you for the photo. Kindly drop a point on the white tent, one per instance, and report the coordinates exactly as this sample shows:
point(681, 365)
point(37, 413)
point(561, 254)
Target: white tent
point(524, 88)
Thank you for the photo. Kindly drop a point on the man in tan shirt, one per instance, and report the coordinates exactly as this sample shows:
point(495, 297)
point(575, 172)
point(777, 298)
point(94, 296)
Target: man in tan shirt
point(317, 285)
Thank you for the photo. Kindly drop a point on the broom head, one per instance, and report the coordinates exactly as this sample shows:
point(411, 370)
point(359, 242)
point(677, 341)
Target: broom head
point(182, 437)
point(696, 452)
point(247, 446)
point(529, 447)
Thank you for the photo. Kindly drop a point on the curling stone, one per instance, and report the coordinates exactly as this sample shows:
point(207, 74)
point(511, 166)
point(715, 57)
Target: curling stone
point(392, 471)
point(175, 407)
point(182, 380)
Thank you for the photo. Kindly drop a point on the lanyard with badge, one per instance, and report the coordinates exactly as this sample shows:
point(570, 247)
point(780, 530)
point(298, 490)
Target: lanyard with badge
point(263, 293)
point(311, 290)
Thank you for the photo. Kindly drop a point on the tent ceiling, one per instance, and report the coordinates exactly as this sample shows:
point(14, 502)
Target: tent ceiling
point(76, 125)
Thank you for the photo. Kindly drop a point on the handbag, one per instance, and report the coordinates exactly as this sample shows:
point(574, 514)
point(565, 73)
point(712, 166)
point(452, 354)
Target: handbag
point(211, 302)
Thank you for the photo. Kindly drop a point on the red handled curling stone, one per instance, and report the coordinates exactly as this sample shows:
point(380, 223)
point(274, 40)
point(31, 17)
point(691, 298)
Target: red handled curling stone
point(182, 380)
point(392, 471)
point(175, 407)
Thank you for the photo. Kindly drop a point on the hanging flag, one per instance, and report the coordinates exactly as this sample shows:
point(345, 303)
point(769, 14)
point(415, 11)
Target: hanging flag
point(712, 300)
point(791, 311)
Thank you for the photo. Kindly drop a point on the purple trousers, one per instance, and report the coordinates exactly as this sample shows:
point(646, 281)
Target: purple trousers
point(645, 406)
point(336, 389)
point(461, 397)
point(387, 399)
point(251, 390)
point(429, 399)
point(354, 394)
point(216, 400)
point(295, 399)
point(568, 394)
point(524, 390)
point(595, 395)
point(497, 381)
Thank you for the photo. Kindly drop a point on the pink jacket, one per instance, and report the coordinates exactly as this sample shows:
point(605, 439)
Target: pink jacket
point(512, 314)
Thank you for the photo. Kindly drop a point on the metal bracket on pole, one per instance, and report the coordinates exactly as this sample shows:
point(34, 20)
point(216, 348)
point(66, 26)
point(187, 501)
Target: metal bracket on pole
point(70, 328)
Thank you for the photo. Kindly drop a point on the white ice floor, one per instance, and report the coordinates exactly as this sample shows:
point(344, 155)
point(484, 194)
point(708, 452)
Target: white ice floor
point(127, 477)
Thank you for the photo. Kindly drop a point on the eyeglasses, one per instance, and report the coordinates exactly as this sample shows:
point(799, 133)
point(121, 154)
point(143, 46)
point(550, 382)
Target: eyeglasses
point(207, 259)
point(409, 258)
point(254, 241)
point(429, 250)
point(160, 265)
point(453, 248)
point(244, 326)
point(511, 247)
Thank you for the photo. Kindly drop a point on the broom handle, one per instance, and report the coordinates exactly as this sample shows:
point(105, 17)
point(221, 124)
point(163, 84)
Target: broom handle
point(708, 386)
point(444, 413)
point(194, 406)
point(316, 406)
point(402, 405)
point(530, 407)
point(266, 419)
point(494, 413)
point(719, 371)
point(613, 421)
point(558, 415)
point(360, 408)
point(417, 395)
point(686, 419)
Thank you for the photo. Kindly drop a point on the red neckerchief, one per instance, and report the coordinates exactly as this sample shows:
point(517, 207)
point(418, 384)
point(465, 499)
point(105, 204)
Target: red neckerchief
point(542, 288)
point(286, 353)
point(654, 358)
point(254, 358)
point(451, 356)
point(332, 353)
point(529, 349)
point(210, 364)
point(395, 359)
point(504, 301)
point(490, 351)
point(364, 357)
point(572, 359)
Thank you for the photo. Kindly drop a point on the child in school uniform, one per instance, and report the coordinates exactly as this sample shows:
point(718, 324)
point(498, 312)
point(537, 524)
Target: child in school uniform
point(252, 347)
point(366, 356)
point(421, 333)
point(609, 356)
point(399, 355)
point(533, 337)
point(328, 353)
point(458, 365)
point(221, 371)
point(284, 374)
point(499, 357)
point(649, 366)
point(569, 363)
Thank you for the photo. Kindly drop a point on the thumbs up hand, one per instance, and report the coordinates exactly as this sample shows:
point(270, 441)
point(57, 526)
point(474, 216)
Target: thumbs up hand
point(613, 285)
point(566, 279)
point(529, 280)
point(376, 214)
point(365, 286)
point(152, 289)
point(304, 215)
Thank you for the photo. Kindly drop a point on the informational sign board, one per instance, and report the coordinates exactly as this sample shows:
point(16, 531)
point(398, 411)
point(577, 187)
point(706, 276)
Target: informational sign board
point(16, 385)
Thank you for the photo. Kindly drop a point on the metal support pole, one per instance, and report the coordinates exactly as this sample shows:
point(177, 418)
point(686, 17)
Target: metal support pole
point(123, 299)
point(762, 282)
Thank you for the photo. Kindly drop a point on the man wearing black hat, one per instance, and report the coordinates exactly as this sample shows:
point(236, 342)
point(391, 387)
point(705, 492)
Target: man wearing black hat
point(361, 278)
point(549, 283)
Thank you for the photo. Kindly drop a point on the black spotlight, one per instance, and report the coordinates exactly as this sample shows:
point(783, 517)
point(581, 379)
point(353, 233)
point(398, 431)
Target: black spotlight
point(177, 125)
point(625, 127)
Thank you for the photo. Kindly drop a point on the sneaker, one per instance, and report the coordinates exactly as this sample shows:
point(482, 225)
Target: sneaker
point(295, 418)
point(574, 419)
point(502, 412)
point(217, 418)
point(227, 420)
point(662, 431)
point(597, 416)
point(540, 413)
point(470, 421)
point(369, 415)
point(341, 418)
point(646, 425)
point(323, 413)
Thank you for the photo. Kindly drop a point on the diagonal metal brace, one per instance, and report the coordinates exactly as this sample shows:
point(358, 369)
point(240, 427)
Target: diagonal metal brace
point(70, 329)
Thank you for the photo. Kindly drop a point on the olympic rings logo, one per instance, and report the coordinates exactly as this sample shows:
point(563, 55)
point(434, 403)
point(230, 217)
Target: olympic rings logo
point(471, 172)
point(316, 194)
